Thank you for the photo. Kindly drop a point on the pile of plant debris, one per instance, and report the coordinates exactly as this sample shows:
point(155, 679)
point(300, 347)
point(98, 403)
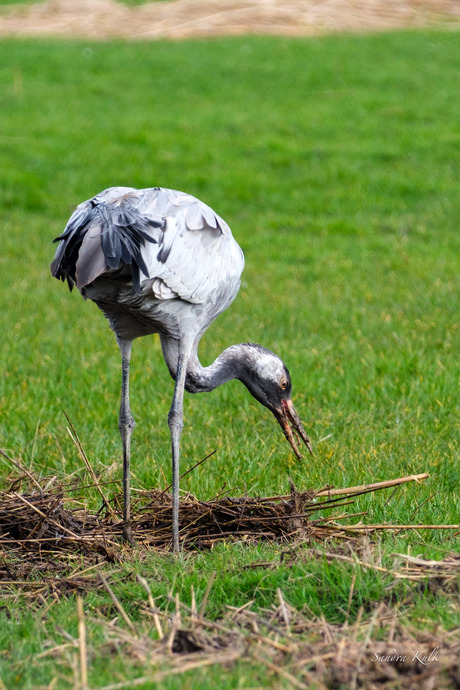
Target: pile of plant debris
point(47, 528)
point(52, 545)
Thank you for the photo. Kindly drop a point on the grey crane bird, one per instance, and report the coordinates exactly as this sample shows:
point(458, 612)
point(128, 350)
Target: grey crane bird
point(160, 261)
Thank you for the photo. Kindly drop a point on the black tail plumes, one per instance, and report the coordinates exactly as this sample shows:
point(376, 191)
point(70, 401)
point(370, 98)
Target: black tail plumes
point(117, 236)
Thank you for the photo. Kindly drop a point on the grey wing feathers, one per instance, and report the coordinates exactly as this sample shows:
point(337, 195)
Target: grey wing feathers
point(170, 237)
point(66, 255)
point(102, 234)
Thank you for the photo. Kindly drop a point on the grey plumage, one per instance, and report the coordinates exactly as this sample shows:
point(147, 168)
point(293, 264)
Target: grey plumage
point(160, 261)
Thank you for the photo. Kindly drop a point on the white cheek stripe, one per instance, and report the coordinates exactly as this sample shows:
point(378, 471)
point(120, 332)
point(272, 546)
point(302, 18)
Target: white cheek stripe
point(269, 367)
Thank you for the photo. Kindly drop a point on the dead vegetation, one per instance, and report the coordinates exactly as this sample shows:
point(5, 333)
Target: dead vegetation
point(382, 652)
point(46, 529)
point(181, 19)
point(52, 545)
point(56, 521)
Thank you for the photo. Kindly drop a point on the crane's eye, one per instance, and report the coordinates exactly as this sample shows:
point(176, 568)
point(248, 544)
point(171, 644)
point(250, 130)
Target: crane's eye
point(284, 384)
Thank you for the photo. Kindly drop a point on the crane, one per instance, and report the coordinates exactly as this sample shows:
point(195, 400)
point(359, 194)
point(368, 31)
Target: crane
point(160, 261)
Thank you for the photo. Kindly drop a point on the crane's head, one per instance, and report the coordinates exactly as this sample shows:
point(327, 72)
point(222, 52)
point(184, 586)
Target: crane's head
point(268, 380)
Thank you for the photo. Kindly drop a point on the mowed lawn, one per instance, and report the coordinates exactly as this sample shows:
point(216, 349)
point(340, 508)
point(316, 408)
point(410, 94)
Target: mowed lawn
point(335, 162)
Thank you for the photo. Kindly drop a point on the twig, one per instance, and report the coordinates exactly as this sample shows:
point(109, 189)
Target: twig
point(222, 492)
point(364, 564)
point(189, 470)
point(23, 469)
point(284, 674)
point(284, 611)
point(52, 651)
point(428, 564)
point(82, 644)
point(387, 502)
point(353, 490)
point(79, 573)
point(350, 594)
point(43, 515)
point(239, 609)
point(332, 518)
point(152, 606)
point(214, 659)
point(79, 446)
point(423, 503)
point(260, 564)
point(22, 583)
point(364, 488)
point(117, 604)
point(206, 594)
point(369, 528)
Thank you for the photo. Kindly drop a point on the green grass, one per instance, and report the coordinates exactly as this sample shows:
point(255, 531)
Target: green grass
point(336, 163)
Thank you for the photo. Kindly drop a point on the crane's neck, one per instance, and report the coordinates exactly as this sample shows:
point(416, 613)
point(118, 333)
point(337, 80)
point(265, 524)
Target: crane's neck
point(232, 363)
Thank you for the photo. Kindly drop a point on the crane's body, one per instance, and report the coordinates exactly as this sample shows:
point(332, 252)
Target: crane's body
point(160, 261)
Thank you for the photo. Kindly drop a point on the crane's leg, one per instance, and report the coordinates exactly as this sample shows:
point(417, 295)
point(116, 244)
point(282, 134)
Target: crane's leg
point(126, 425)
point(176, 424)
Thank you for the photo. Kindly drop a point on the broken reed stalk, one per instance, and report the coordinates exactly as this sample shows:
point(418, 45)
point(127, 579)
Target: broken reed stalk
point(361, 489)
point(82, 644)
point(190, 469)
point(426, 563)
point(117, 603)
point(21, 468)
point(371, 528)
point(294, 682)
point(206, 594)
point(364, 488)
point(364, 564)
point(283, 607)
point(152, 606)
point(81, 451)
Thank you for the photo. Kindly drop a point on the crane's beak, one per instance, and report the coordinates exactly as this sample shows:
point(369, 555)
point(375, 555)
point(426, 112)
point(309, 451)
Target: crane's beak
point(292, 427)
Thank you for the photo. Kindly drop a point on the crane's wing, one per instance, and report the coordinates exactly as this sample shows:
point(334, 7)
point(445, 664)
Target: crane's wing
point(196, 256)
point(104, 233)
point(175, 245)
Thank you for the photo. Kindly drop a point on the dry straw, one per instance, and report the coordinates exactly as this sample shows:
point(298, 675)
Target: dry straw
point(50, 544)
point(47, 530)
point(180, 19)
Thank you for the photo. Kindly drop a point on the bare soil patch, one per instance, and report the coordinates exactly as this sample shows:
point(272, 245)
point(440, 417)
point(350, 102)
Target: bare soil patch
point(180, 19)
